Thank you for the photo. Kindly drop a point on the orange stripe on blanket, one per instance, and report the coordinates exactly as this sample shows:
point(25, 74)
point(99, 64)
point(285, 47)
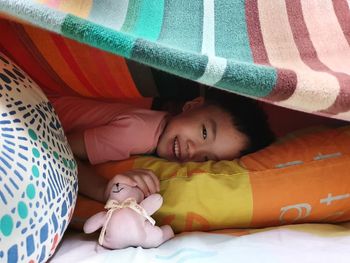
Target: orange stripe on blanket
point(111, 85)
point(47, 47)
point(73, 65)
point(107, 73)
point(79, 8)
point(11, 45)
point(121, 74)
point(50, 3)
point(32, 48)
point(87, 57)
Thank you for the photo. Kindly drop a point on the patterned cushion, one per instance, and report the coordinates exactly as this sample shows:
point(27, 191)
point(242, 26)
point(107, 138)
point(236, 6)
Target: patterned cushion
point(38, 175)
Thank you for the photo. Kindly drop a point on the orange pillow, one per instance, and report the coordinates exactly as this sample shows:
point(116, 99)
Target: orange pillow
point(303, 177)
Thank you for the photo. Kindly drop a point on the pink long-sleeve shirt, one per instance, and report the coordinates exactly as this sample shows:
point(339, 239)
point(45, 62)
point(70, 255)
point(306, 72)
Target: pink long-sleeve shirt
point(112, 131)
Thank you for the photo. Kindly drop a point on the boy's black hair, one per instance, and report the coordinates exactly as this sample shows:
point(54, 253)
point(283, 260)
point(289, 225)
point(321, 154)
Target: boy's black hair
point(247, 116)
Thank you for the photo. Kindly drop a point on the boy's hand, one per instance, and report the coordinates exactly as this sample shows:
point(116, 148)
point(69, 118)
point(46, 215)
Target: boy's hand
point(145, 179)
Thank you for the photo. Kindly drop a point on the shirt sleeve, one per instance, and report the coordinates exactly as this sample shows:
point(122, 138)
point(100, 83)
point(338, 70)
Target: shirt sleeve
point(121, 138)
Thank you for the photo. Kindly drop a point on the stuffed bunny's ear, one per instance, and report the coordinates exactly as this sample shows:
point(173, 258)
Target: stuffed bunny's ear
point(95, 222)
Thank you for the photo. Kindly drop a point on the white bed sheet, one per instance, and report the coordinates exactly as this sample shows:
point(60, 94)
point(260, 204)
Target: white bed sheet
point(297, 243)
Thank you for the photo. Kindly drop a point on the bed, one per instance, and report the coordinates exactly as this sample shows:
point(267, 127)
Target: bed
point(294, 243)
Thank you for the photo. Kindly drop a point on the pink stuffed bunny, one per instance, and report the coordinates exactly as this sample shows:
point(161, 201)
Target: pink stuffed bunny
point(127, 221)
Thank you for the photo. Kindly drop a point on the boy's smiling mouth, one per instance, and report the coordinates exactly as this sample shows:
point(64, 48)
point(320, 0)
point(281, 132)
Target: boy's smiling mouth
point(176, 149)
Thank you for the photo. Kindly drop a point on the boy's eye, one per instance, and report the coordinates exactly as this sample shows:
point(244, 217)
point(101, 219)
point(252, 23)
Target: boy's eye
point(204, 132)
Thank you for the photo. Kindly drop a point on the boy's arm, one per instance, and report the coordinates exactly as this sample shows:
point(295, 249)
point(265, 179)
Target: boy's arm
point(77, 144)
point(89, 183)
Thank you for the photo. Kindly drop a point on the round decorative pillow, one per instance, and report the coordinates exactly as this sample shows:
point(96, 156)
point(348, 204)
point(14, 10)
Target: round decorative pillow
point(38, 174)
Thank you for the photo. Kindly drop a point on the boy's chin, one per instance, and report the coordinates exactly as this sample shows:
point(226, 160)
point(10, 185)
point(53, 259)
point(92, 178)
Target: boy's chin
point(159, 154)
point(163, 155)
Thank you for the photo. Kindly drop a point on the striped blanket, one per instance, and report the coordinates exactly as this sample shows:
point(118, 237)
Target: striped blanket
point(292, 53)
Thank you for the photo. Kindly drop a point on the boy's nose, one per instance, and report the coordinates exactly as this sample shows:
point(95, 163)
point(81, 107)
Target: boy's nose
point(194, 150)
point(191, 149)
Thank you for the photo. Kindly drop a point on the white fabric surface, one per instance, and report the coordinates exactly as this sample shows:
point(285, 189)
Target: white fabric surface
point(296, 243)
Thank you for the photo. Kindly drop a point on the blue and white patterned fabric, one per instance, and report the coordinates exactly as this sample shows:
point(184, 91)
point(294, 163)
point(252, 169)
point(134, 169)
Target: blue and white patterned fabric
point(38, 174)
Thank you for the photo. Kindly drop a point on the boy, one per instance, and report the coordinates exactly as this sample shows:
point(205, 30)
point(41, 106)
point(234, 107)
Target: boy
point(218, 128)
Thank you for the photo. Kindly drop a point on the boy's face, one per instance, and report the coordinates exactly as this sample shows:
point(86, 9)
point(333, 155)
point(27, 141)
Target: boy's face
point(201, 132)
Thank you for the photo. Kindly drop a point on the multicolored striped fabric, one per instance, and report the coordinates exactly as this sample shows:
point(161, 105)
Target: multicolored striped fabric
point(289, 52)
point(65, 67)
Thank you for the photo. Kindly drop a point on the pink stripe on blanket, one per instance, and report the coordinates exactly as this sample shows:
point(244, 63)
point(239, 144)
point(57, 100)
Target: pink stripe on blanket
point(286, 79)
point(309, 55)
point(283, 53)
point(254, 31)
point(342, 11)
point(326, 35)
point(285, 85)
point(53, 3)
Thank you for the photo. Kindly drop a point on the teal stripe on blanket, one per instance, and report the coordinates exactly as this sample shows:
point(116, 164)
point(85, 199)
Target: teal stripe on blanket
point(98, 36)
point(248, 79)
point(231, 36)
point(182, 24)
point(184, 64)
point(150, 19)
point(109, 13)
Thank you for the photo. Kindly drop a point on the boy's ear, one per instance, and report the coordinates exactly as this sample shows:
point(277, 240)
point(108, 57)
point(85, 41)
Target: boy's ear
point(192, 104)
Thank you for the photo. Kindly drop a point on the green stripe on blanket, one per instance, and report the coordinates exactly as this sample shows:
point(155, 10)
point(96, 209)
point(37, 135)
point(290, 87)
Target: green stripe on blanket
point(183, 64)
point(231, 36)
point(98, 36)
point(131, 16)
point(248, 79)
point(182, 29)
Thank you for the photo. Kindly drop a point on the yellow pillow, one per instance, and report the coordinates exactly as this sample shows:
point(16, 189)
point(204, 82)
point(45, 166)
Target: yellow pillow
point(301, 178)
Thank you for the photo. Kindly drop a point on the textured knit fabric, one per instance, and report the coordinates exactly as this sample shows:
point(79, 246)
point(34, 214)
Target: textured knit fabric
point(284, 52)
